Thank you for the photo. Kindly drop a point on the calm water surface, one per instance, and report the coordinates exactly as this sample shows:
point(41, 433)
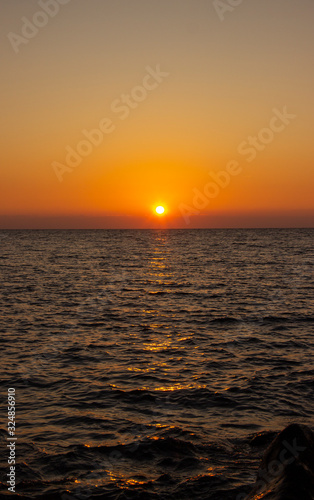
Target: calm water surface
point(146, 362)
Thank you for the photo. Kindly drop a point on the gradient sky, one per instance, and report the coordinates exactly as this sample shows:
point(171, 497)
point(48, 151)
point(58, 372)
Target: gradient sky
point(225, 76)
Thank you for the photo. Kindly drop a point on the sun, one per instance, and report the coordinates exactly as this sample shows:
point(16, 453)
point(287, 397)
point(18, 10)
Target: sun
point(160, 210)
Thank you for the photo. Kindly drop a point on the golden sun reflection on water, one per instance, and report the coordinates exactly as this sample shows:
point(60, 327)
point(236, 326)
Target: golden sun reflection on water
point(122, 479)
point(179, 387)
point(134, 482)
point(158, 346)
point(171, 388)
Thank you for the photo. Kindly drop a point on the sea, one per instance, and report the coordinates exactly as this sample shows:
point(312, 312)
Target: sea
point(151, 364)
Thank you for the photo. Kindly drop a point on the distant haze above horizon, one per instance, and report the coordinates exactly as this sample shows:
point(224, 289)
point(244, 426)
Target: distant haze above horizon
point(112, 108)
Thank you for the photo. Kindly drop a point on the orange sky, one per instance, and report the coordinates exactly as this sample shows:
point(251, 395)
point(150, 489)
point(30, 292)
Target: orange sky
point(174, 95)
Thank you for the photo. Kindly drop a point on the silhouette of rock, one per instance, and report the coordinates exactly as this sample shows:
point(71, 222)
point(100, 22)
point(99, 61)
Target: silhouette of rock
point(287, 468)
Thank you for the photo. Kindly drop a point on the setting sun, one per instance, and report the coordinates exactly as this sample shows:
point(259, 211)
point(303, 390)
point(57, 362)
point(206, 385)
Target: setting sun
point(160, 210)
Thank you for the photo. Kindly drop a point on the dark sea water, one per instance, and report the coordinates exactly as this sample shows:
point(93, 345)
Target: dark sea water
point(152, 364)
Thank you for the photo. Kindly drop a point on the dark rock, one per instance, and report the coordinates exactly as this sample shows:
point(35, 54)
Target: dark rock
point(287, 468)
